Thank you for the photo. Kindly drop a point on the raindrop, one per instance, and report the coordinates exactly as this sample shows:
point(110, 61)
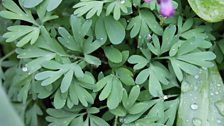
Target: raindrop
point(122, 120)
point(219, 121)
point(24, 69)
point(122, 1)
point(165, 97)
point(139, 36)
point(149, 37)
point(185, 86)
point(220, 106)
point(101, 38)
point(196, 76)
point(204, 68)
point(218, 85)
point(196, 122)
point(212, 94)
point(194, 106)
point(216, 92)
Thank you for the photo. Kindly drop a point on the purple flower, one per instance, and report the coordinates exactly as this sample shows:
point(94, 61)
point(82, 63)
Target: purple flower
point(166, 8)
point(147, 1)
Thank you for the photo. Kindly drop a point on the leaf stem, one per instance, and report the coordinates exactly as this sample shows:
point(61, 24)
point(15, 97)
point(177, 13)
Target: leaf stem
point(7, 55)
point(161, 58)
point(115, 121)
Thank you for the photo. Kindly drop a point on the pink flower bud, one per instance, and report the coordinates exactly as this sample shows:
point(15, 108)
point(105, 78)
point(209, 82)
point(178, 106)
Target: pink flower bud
point(147, 1)
point(166, 8)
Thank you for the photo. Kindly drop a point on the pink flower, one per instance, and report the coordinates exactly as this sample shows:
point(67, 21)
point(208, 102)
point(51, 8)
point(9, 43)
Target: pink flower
point(166, 8)
point(147, 1)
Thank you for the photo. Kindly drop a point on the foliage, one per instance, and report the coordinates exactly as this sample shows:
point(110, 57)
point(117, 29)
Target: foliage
point(205, 103)
point(101, 63)
point(209, 10)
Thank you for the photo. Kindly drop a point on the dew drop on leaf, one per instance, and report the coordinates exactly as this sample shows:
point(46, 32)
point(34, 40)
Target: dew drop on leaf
point(194, 106)
point(204, 68)
point(196, 76)
point(24, 69)
point(149, 37)
point(185, 86)
point(197, 122)
point(165, 97)
point(122, 1)
point(218, 121)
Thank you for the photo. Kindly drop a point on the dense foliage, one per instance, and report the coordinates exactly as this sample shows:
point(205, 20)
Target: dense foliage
point(111, 62)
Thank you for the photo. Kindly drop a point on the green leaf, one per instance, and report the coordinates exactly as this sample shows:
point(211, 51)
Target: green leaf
point(97, 121)
point(168, 38)
point(59, 99)
point(207, 103)
point(138, 108)
point(117, 7)
point(140, 61)
point(151, 22)
point(100, 30)
point(209, 10)
point(125, 75)
point(16, 13)
point(32, 115)
point(31, 3)
point(90, 8)
point(66, 81)
point(92, 60)
point(53, 4)
point(116, 94)
point(112, 90)
point(142, 76)
point(59, 117)
point(200, 58)
point(143, 24)
point(125, 55)
point(115, 30)
point(113, 54)
point(119, 111)
point(67, 40)
point(26, 34)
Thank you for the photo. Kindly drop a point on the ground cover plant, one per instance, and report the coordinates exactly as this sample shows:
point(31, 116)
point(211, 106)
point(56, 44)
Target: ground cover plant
point(111, 63)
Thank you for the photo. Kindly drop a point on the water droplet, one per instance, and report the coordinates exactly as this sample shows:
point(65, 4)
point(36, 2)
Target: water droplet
point(139, 36)
point(185, 86)
point(121, 120)
point(216, 92)
point(194, 106)
point(122, 1)
point(165, 97)
point(220, 106)
point(218, 121)
point(196, 122)
point(196, 76)
point(128, 20)
point(101, 38)
point(218, 85)
point(149, 37)
point(212, 94)
point(24, 69)
point(204, 68)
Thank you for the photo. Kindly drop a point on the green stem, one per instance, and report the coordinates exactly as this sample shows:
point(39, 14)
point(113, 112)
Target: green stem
point(115, 121)
point(7, 55)
point(162, 58)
